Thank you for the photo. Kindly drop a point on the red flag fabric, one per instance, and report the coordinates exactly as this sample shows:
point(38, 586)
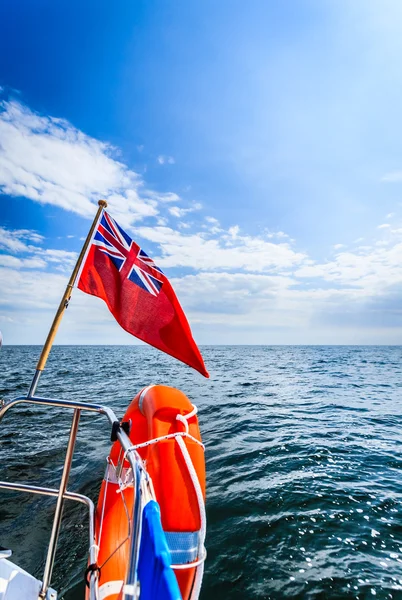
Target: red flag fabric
point(137, 293)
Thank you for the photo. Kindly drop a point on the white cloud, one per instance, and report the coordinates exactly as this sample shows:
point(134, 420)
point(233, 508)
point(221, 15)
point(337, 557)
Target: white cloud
point(21, 263)
point(51, 162)
point(227, 294)
point(370, 268)
point(277, 234)
point(162, 160)
point(229, 252)
point(338, 246)
point(384, 226)
point(61, 257)
point(15, 240)
point(267, 293)
point(163, 196)
point(233, 231)
point(262, 303)
point(392, 177)
point(34, 291)
point(212, 225)
point(212, 230)
point(179, 212)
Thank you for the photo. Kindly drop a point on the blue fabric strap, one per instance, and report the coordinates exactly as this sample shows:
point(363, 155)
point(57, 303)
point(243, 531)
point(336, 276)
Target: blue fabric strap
point(157, 579)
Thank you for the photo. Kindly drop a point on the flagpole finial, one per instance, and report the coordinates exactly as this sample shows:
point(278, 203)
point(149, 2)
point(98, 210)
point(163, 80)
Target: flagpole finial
point(102, 203)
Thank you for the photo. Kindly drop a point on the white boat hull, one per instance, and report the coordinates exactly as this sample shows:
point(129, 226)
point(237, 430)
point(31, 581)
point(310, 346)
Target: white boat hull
point(17, 584)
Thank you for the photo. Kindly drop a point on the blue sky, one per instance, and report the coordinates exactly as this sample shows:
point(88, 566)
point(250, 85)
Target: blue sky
point(253, 149)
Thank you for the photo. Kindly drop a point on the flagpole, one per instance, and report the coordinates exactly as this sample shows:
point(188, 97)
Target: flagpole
point(64, 303)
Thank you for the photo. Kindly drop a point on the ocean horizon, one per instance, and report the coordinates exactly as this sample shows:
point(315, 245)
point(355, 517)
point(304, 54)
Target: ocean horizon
point(143, 345)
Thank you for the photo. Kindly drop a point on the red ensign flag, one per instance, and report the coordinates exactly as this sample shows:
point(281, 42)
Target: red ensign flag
point(138, 294)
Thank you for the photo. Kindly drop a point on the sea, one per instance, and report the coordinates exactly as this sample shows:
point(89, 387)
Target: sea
point(303, 454)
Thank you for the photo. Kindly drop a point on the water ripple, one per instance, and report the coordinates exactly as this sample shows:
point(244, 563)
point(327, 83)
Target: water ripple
point(304, 463)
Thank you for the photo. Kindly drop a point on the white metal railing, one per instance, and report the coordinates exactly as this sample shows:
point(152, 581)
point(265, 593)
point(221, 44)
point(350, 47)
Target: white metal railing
point(62, 494)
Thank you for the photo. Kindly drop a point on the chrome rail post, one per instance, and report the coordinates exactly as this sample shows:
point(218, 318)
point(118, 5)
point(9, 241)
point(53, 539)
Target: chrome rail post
point(42, 491)
point(93, 556)
point(34, 383)
point(59, 505)
point(131, 584)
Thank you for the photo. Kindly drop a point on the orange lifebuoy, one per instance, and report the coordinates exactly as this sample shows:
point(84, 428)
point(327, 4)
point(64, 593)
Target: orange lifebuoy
point(156, 412)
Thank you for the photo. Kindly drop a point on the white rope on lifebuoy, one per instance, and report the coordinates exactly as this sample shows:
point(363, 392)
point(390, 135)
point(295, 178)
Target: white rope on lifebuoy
point(169, 436)
point(201, 506)
point(184, 418)
point(200, 498)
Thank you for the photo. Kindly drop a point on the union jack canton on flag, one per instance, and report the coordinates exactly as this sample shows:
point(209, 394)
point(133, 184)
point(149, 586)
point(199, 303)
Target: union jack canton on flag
point(137, 293)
